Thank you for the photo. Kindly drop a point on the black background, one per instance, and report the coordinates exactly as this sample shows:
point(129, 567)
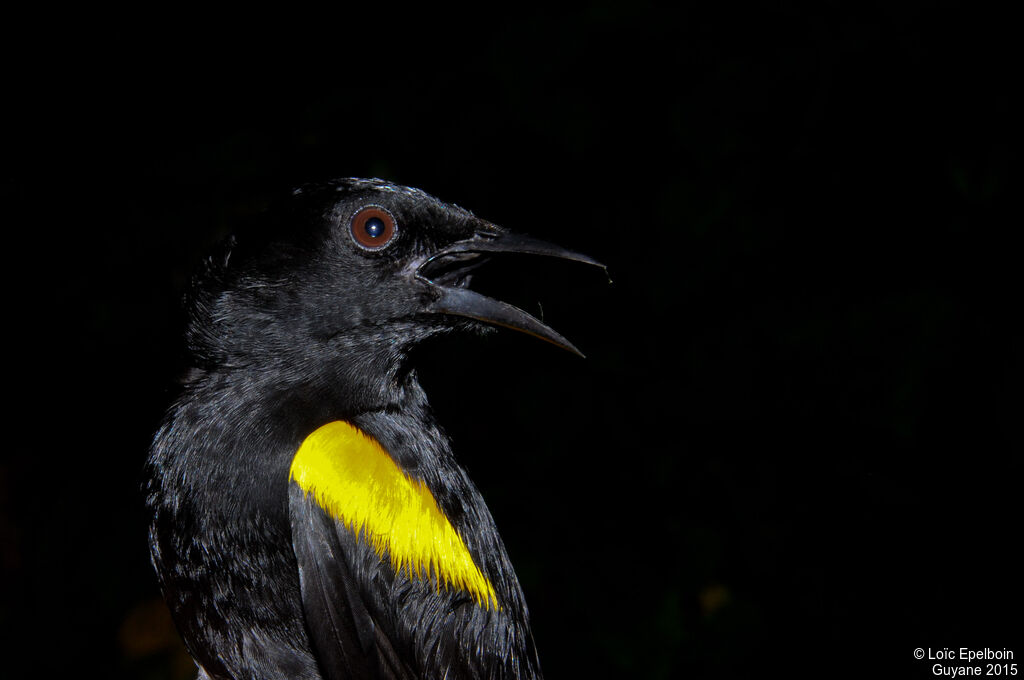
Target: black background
point(793, 445)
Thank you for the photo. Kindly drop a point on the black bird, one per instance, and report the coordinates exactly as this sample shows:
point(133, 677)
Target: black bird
point(308, 517)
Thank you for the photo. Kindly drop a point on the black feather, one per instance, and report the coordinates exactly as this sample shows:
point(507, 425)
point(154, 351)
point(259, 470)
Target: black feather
point(340, 627)
point(295, 325)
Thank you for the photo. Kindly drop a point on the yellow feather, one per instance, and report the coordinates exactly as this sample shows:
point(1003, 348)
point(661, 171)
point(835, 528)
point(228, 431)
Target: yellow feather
point(354, 480)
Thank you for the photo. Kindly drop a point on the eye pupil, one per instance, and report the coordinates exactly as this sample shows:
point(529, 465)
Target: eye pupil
point(374, 227)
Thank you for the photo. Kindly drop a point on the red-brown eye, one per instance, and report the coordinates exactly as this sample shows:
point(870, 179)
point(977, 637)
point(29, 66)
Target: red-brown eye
point(373, 227)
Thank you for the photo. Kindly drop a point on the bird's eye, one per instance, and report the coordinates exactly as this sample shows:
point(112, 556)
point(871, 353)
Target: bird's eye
point(373, 227)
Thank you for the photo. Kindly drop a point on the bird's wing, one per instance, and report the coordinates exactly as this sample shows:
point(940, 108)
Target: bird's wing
point(347, 641)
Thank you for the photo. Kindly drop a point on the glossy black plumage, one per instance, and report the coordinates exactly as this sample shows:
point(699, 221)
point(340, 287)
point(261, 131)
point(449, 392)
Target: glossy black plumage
point(293, 326)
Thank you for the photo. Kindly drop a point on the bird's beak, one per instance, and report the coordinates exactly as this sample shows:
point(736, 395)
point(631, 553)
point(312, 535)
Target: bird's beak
point(447, 273)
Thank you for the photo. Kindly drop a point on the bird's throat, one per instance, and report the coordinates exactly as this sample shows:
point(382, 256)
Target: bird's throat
point(354, 480)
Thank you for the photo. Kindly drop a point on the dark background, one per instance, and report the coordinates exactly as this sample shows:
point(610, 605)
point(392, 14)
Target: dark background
point(793, 445)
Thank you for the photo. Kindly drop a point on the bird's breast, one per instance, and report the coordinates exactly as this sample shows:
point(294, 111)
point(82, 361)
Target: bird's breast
point(354, 480)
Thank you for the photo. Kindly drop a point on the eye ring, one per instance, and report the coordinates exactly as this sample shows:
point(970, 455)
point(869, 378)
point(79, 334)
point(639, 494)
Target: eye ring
point(373, 228)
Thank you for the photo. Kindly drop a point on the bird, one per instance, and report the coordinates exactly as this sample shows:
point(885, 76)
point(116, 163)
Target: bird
point(307, 516)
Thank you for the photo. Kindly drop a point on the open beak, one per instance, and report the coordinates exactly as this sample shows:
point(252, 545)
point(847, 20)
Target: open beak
point(447, 272)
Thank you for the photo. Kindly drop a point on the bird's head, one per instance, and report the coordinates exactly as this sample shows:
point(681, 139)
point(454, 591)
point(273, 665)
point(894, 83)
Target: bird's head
point(353, 272)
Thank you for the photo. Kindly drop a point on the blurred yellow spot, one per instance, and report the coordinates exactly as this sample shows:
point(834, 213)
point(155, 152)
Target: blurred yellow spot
point(712, 598)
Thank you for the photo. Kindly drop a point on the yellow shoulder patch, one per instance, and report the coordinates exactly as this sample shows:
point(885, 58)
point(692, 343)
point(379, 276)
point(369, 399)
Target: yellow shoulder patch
point(354, 480)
